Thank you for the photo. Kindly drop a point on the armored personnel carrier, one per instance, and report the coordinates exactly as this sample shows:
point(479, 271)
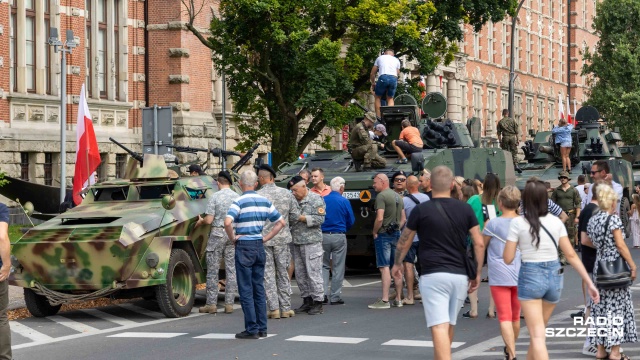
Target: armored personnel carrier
point(591, 141)
point(445, 143)
point(131, 237)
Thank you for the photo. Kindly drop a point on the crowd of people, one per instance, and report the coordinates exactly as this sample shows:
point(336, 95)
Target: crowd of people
point(434, 227)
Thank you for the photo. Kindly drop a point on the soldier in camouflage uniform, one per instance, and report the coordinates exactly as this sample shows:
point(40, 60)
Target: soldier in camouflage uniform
point(219, 246)
point(362, 147)
point(278, 255)
point(307, 246)
point(508, 136)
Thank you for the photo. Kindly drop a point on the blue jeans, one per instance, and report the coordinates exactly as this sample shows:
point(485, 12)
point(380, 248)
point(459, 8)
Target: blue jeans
point(250, 261)
point(540, 280)
point(387, 84)
point(385, 245)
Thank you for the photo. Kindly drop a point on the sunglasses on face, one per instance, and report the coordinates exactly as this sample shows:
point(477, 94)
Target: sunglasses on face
point(593, 172)
point(400, 180)
point(564, 178)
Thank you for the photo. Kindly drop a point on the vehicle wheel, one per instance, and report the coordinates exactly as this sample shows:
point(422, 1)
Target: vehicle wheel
point(177, 295)
point(38, 305)
point(624, 215)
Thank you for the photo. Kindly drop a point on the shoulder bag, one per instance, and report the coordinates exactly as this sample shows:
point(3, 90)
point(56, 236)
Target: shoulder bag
point(470, 263)
point(613, 274)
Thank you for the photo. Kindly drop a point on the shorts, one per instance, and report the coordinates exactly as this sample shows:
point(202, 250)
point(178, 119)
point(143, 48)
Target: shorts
point(407, 148)
point(565, 144)
point(507, 304)
point(385, 245)
point(411, 254)
point(443, 295)
point(386, 84)
point(540, 280)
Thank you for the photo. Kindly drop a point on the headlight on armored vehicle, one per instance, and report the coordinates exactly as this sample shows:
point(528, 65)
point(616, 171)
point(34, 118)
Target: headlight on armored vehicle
point(152, 260)
point(16, 267)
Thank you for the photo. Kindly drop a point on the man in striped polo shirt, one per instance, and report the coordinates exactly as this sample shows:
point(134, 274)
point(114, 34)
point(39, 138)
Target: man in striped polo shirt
point(249, 213)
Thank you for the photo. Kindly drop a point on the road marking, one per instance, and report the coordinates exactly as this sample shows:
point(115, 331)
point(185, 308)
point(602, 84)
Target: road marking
point(72, 324)
point(153, 335)
point(328, 339)
point(29, 333)
point(106, 331)
point(106, 316)
point(345, 283)
point(365, 284)
point(224, 336)
point(143, 311)
point(417, 343)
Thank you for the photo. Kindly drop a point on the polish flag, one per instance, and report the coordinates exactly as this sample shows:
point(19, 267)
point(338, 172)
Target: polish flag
point(560, 107)
point(87, 153)
point(569, 117)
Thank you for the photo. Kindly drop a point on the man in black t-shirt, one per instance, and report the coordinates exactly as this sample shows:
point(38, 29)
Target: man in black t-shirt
point(5, 267)
point(444, 283)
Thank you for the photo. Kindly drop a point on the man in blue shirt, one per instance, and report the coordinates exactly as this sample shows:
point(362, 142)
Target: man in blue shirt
point(337, 222)
point(5, 267)
point(249, 213)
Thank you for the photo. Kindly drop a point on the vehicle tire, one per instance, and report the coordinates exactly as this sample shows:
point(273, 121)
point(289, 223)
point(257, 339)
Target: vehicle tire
point(177, 295)
point(38, 305)
point(624, 215)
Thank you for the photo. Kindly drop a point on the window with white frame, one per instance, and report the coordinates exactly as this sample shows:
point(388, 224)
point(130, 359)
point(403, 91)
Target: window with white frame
point(550, 62)
point(584, 13)
point(540, 58)
point(504, 104)
point(463, 101)
point(528, 59)
point(551, 9)
point(491, 110)
point(490, 41)
point(552, 114)
point(529, 113)
point(102, 48)
point(476, 45)
point(477, 102)
point(540, 6)
point(517, 109)
point(540, 115)
point(504, 44)
point(560, 63)
point(517, 49)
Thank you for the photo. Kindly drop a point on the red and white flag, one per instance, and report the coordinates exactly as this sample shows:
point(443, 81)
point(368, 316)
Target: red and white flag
point(569, 117)
point(87, 153)
point(560, 107)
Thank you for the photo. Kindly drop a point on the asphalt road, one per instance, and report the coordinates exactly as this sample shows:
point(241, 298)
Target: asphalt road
point(350, 331)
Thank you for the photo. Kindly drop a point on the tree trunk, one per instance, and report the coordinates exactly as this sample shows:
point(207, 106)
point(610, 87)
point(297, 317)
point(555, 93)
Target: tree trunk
point(283, 141)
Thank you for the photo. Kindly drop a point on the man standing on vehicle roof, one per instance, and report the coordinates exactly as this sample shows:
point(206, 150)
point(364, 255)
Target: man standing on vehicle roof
point(276, 278)
point(387, 66)
point(220, 246)
point(508, 136)
point(249, 213)
point(5, 267)
point(307, 246)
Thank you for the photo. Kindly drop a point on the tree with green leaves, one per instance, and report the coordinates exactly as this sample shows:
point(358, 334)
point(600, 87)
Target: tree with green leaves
point(293, 65)
point(614, 67)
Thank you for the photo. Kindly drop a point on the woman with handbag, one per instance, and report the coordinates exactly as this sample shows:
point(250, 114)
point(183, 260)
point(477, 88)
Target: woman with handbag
point(614, 271)
point(538, 234)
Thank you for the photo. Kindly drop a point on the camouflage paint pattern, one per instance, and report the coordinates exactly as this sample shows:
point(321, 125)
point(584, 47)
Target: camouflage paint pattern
point(103, 242)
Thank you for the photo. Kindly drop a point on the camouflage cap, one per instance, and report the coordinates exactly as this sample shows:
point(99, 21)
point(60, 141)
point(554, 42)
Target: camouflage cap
point(268, 168)
point(370, 115)
point(225, 174)
point(296, 179)
point(564, 173)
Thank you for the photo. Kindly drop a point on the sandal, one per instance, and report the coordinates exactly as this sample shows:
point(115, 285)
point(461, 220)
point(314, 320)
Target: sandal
point(491, 317)
point(467, 315)
point(622, 357)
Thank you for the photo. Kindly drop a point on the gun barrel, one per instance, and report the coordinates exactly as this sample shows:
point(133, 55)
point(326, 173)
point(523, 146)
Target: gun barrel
point(133, 154)
point(546, 149)
point(220, 152)
point(243, 160)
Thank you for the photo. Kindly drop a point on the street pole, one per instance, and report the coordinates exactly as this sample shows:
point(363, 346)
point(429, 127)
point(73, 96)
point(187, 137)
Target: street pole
point(64, 48)
point(512, 69)
point(224, 119)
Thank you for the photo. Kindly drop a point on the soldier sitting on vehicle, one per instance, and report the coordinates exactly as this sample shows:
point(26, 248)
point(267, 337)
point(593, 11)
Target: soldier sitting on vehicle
point(362, 147)
point(408, 143)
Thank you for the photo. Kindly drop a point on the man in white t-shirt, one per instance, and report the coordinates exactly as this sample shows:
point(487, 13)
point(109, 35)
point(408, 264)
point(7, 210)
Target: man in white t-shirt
point(387, 67)
point(580, 188)
point(600, 172)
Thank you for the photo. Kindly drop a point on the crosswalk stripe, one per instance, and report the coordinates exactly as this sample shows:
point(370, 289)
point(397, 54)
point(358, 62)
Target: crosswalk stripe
point(106, 316)
point(29, 333)
point(72, 324)
point(213, 336)
point(143, 311)
point(328, 339)
point(153, 335)
point(417, 343)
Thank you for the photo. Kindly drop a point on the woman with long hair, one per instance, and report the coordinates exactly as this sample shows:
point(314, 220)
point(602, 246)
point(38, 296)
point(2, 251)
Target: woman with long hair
point(634, 220)
point(563, 138)
point(605, 233)
point(503, 278)
point(540, 279)
point(480, 205)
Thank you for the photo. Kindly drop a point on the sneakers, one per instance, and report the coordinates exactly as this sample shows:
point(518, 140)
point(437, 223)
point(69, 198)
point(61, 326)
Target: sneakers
point(407, 301)
point(589, 350)
point(245, 336)
point(396, 303)
point(228, 309)
point(417, 295)
point(262, 334)
point(467, 315)
point(211, 309)
point(579, 314)
point(402, 161)
point(274, 314)
point(325, 301)
point(287, 314)
point(316, 308)
point(306, 306)
point(379, 304)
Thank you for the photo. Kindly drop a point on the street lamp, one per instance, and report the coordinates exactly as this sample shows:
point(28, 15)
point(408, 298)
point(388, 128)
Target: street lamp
point(512, 70)
point(64, 48)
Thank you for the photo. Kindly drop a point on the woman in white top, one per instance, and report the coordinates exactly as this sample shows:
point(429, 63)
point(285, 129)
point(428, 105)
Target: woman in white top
point(538, 235)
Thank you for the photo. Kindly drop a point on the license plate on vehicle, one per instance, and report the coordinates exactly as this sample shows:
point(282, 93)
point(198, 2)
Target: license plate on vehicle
point(351, 194)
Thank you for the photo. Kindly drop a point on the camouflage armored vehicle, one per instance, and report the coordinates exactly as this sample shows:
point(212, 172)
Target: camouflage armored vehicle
point(445, 143)
point(131, 237)
point(591, 141)
point(631, 153)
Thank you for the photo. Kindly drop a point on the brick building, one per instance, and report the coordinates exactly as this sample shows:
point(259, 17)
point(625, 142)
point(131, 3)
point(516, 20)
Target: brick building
point(136, 53)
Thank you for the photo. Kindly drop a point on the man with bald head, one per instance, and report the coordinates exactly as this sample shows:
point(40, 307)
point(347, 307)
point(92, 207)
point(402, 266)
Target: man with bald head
point(442, 225)
point(390, 217)
point(307, 246)
point(411, 200)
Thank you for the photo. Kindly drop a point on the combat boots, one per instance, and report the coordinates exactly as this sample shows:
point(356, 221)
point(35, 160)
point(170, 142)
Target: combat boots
point(287, 314)
point(316, 308)
point(274, 314)
point(306, 306)
point(358, 165)
point(228, 309)
point(211, 309)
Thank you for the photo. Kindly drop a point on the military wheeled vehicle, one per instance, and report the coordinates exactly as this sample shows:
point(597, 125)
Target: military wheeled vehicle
point(131, 237)
point(591, 141)
point(445, 143)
